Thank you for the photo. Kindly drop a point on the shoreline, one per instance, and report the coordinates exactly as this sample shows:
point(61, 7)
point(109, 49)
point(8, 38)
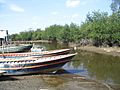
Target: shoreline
point(51, 82)
point(114, 51)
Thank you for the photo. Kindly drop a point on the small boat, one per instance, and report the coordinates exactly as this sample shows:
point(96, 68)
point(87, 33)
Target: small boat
point(38, 48)
point(7, 47)
point(15, 48)
point(30, 65)
point(43, 53)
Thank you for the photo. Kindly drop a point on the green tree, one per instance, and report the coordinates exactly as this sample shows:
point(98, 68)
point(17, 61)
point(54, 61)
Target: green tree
point(74, 29)
point(54, 32)
point(66, 34)
point(115, 5)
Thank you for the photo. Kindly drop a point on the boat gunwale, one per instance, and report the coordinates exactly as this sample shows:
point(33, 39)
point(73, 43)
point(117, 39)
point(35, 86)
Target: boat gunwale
point(36, 66)
point(36, 59)
point(34, 53)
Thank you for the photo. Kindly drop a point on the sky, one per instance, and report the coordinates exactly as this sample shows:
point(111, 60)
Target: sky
point(22, 15)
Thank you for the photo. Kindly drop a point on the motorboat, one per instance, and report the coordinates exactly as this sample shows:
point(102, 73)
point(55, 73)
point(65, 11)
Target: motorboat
point(43, 53)
point(15, 48)
point(30, 65)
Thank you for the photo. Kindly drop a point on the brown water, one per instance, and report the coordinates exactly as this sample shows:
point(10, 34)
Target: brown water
point(99, 67)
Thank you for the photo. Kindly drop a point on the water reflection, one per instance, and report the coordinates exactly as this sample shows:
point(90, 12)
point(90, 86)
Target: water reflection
point(96, 66)
point(52, 46)
point(92, 65)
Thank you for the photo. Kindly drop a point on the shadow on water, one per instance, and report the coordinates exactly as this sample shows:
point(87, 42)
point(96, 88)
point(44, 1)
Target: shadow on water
point(63, 71)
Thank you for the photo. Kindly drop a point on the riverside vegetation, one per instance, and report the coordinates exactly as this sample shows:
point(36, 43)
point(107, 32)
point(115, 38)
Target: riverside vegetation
point(99, 29)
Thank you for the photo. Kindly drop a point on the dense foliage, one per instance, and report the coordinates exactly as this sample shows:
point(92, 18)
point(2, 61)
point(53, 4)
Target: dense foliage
point(99, 29)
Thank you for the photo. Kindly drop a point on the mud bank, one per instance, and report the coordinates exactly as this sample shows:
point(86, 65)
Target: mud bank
point(50, 82)
point(114, 51)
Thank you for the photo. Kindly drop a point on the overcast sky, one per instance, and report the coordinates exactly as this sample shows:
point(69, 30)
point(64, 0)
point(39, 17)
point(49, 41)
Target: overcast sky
point(20, 15)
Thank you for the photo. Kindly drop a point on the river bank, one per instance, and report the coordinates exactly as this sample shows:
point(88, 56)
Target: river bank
point(50, 82)
point(114, 51)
